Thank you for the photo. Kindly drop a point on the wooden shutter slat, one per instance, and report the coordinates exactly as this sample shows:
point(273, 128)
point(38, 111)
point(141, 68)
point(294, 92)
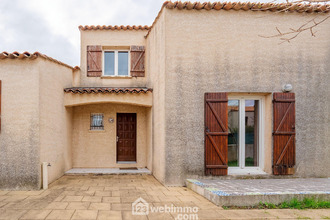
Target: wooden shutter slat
point(137, 61)
point(94, 61)
point(216, 134)
point(284, 117)
point(284, 133)
point(216, 148)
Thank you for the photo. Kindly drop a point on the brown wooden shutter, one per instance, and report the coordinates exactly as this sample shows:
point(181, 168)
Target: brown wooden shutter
point(216, 134)
point(94, 61)
point(137, 61)
point(284, 155)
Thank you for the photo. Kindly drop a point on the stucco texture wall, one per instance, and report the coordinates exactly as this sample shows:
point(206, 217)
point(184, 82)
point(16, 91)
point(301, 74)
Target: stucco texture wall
point(155, 62)
point(35, 124)
point(97, 148)
point(55, 119)
point(19, 137)
point(220, 51)
point(109, 40)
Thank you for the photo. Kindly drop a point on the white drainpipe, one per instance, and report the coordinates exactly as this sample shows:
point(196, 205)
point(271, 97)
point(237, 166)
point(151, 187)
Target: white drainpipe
point(45, 175)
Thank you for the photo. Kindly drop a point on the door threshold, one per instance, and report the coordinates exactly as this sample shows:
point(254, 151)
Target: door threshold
point(246, 171)
point(126, 162)
point(106, 171)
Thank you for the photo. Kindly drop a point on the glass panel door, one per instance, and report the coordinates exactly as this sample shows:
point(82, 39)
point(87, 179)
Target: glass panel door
point(251, 133)
point(243, 144)
point(233, 137)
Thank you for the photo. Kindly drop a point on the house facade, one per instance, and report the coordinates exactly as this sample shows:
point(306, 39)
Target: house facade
point(197, 93)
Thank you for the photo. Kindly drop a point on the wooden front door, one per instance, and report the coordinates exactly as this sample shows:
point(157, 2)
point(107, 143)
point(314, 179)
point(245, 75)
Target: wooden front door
point(126, 136)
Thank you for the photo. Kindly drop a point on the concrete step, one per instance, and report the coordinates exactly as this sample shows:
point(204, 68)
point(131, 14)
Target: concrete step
point(252, 191)
point(106, 171)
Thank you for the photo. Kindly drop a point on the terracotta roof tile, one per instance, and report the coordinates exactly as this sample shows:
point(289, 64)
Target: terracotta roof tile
point(245, 6)
point(115, 27)
point(32, 56)
point(323, 8)
point(81, 90)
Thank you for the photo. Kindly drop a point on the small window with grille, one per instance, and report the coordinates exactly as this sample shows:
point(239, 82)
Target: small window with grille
point(97, 121)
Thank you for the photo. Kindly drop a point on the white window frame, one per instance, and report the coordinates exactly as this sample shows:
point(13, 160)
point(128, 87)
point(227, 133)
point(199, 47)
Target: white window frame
point(241, 169)
point(90, 125)
point(116, 63)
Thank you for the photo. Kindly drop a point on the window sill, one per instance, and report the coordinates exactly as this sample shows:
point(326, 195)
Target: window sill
point(116, 77)
point(96, 131)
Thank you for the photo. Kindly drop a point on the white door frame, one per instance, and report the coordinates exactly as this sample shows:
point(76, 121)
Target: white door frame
point(242, 169)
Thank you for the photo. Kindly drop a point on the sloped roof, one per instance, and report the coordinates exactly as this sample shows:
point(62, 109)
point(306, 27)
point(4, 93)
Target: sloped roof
point(32, 56)
point(115, 27)
point(244, 6)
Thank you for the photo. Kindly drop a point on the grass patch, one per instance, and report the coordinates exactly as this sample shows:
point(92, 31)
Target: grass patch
point(306, 203)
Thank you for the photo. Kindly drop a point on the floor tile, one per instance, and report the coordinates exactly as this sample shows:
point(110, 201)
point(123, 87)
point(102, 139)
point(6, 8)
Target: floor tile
point(111, 199)
point(99, 206)
point(85, 214)
point(78, 205)
point(60, 214)
point(11, 214)
point(72, 198)
point(109, 215)
point(36, 214)
point(92, 199)
point(57, 205)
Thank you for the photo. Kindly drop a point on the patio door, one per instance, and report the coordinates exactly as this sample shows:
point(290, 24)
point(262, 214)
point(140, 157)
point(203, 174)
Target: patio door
point(244, 138)
point(126, 137)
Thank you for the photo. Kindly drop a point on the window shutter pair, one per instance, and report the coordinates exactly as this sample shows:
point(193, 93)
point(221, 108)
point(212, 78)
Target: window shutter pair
point(216, 133)
point(94, 61)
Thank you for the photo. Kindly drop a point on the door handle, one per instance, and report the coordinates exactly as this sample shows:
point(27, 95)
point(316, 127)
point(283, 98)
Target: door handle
point(117, 138)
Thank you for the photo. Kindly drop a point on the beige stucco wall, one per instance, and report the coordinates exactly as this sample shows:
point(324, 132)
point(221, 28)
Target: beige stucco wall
point(55, 119)
point(19, 137)
point(35, 123)
point(155, 64)
point(110, 39)
point(220, 51)
point(97, 149)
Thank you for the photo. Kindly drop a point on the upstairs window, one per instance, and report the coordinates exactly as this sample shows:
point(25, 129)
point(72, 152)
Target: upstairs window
point(97, 121)
point(116, 63)
point(107, 61)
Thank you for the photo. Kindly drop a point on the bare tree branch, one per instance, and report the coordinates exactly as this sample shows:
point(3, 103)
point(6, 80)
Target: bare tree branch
point(293, 33)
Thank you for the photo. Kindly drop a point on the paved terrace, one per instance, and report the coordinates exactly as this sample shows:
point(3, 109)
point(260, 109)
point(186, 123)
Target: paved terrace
point(241, 192)
point(111, 197)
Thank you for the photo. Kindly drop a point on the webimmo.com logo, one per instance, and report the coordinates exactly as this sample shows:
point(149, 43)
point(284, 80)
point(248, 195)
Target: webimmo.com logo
point(141, 207)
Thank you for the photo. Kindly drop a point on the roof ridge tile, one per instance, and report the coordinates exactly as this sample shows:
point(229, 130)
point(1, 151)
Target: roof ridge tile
point(32, 56)
point(113, 27)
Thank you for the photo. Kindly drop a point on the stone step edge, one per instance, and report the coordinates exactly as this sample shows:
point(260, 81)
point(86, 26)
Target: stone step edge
point(221, 198)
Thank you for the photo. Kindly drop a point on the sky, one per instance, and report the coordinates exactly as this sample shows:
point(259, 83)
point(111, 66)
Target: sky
point(51, 26)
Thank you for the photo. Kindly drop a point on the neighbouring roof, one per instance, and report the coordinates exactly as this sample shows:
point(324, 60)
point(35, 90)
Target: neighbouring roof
point(32, 56)
point(115, 27)
point(236, 6)
point(244, 6)
point(81, 90)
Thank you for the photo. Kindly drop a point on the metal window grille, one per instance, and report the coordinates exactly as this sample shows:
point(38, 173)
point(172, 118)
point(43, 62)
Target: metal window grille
point(97, 122)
